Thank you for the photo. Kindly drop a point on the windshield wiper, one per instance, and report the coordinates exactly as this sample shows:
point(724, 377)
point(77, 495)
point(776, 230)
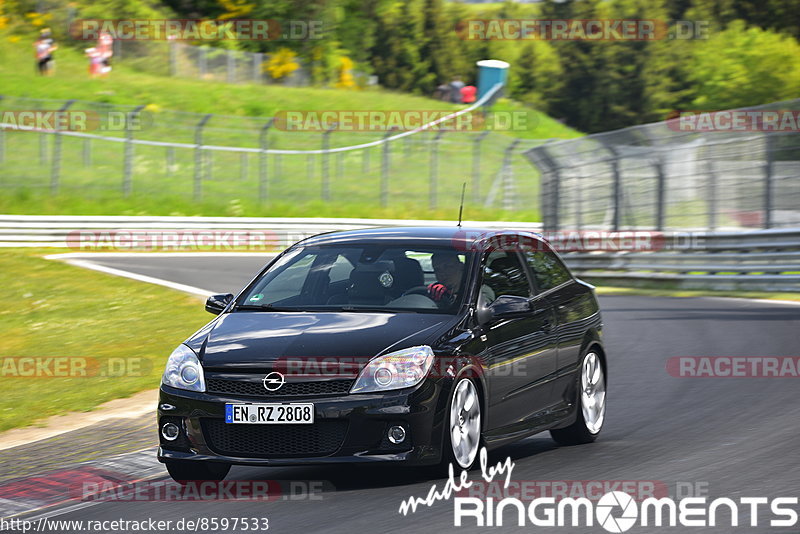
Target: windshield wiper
point(266, 307)
point(374, 309)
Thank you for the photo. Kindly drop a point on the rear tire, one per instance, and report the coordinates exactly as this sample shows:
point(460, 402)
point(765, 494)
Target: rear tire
point(591, 404)
point(185, 471)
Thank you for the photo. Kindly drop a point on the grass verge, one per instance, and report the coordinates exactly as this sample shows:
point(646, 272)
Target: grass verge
point(117, 327)
point(654, 292)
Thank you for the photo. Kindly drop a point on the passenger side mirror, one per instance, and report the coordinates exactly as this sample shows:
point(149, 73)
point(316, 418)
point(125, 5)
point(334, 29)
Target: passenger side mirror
point(503, 307)
point(216, 303)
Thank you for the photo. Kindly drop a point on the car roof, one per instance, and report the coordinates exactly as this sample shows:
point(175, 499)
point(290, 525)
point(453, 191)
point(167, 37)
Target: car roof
point(472, 238)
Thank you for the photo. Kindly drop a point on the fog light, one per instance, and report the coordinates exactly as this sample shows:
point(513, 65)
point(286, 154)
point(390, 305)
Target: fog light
point(397, 434)
point(170, 431)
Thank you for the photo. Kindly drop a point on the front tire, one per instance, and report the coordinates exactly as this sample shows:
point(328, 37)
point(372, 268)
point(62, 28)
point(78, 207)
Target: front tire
point(463, 432)
point(186, 471)
point(591, 400)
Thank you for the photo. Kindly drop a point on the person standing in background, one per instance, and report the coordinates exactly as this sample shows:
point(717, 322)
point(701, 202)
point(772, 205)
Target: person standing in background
point(105, 49)
point(468, 94)
point(455, 90)
point(44, 47)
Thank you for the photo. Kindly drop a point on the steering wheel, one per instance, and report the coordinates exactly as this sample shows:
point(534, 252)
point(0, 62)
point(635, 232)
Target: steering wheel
point(417, 290)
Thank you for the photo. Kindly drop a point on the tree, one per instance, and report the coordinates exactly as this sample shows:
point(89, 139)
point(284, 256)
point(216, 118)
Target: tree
point(744, 67)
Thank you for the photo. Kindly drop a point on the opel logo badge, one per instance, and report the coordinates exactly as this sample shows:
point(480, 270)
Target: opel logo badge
point(273, 381)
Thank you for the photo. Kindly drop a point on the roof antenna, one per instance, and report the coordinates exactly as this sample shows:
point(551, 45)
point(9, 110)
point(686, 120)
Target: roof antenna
point(461, 207)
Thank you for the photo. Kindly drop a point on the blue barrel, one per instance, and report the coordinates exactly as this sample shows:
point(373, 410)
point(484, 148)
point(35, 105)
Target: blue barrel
point(490, 73)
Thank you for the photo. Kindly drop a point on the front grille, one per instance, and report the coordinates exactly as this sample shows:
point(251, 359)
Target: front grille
point(255, 388)
point(321, 438)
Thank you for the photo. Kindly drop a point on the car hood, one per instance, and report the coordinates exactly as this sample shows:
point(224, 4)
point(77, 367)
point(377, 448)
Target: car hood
point(248, 340)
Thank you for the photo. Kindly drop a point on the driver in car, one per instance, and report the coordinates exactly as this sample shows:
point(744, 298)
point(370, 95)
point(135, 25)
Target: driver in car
point(449, 271)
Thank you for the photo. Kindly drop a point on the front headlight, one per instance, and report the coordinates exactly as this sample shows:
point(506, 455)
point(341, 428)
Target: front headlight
point(184, 371)
point(401, 369)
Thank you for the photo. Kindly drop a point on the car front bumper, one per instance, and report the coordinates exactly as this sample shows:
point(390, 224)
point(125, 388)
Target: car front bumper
point(348, 428)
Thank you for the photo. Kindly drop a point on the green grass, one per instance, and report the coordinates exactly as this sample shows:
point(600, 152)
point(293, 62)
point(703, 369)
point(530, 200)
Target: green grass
point(658, 292)
point(128, 86)
point(65, 311)
point(91, 172)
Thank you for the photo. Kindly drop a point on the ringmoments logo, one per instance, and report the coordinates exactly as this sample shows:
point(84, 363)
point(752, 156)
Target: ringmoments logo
point(615, 511)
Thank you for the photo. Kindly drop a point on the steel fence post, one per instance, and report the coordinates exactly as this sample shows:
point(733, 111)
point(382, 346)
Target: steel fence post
point(202, 65)
point(508, 176)
point(711, 199)
point(170, 154)
point(263, 170)
point(617, 208)
point(310, 167)
point(434, 170)
point(173, 57)
point(339, 165)
point(257, 59)
point(385, 170)
point(243, 164)
point(42, 148)
point(87, 152)
point(127, 174)
point(230, 66)
point(476, 166)
point(55, 170)
point(198, 157)
point(579, 201)
point(326, 143)
point(661, 206)
point(768, 180)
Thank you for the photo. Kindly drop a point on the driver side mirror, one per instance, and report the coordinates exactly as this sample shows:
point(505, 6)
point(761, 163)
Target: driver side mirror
point(216, 303)
point(503, 307)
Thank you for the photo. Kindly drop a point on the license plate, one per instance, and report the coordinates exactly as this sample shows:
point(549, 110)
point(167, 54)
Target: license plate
point(270, 414)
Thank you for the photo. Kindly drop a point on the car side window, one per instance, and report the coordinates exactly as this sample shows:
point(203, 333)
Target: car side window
point(548, 271)
point(503, 274)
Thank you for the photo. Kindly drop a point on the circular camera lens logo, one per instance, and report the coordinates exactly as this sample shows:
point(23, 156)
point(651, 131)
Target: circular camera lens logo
point(273, 381)
point(386, 279)
point(606, 505)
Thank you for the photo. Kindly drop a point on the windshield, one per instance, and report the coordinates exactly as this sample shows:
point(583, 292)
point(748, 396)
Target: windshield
point(398, 278)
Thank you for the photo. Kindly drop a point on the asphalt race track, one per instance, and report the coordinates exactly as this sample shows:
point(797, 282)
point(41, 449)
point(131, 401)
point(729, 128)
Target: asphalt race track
point(724, 437)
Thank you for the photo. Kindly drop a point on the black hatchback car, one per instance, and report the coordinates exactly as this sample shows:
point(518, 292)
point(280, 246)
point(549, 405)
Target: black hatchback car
point(412, 345)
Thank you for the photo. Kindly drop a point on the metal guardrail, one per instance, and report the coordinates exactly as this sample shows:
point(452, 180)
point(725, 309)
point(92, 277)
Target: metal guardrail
point(61, 231)
point(767, 260)
point(763, 261)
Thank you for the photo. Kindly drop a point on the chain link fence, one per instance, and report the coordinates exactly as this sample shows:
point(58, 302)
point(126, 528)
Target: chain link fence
point(170, 156)
point(661, 176)
point(221, 65)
